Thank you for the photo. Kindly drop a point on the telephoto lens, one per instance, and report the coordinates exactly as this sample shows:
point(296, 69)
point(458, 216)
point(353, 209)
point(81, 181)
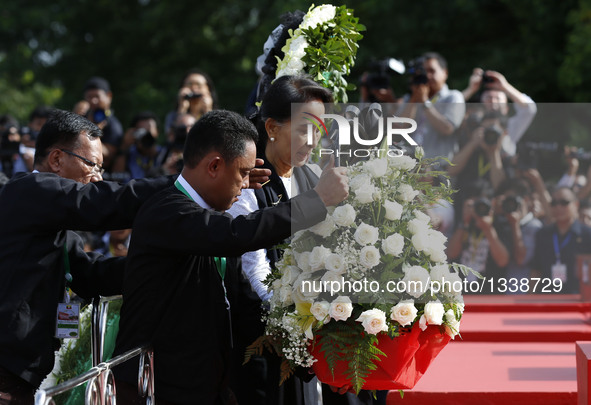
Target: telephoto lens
point(482, 207)
point(511, 204)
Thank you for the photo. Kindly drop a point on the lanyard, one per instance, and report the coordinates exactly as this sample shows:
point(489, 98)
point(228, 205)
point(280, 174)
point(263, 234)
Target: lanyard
point(68, 275)
point(482, 168)
point(558, 248)
point(220, 262)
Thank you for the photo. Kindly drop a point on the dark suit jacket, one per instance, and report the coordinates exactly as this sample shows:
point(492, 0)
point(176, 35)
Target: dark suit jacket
point(35, 212)
point(173, 296)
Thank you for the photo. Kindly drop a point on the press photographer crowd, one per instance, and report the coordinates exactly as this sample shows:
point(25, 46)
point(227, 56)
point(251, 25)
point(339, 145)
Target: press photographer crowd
point(506, 220)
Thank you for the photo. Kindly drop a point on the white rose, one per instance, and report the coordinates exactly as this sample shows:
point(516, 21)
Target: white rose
point(376, 167)
point(333, 279)
point(366, 234)
point(341, 308)
point(393, 245)
point(285, 295)
point(357, 181)
point(452, 325)
point(404, 312)
point(416, 279)
point(344, 215)
point(324, 228)
point(415, 226)
point(335, 263)
point(369, 257)
point(420, 241)
point(393, 210)
point(364, 194)
point(303, 261)
point(421, 216)
point(373, 321)
point(434, 312)
point(407, 193)
point(304, 289)
point(402, 162)
point(423, 322)
point(320, 311)
point(318, 257)
point(290, 274)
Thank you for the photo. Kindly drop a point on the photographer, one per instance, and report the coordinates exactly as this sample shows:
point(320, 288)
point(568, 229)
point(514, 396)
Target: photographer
point(176, 137)
point(196, 96)
point(515, 222)
point(475, 242)
point(374, 85)
point(495, 90)
point(139, 155)
point(437, 110)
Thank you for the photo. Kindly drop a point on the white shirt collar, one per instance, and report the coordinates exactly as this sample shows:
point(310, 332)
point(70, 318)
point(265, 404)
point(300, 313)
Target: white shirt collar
point(194, 195)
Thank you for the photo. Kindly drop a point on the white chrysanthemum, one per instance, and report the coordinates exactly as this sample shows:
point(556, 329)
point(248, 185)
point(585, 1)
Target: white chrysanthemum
point(393, 210)
point(407, 193)
point(324, 228)
point(434, 312)
point(366, 234)
point(335, 263)
point(341, 308)
point(376, 167)
point(321, 310)
point(373, 321)
point(344, 215)
point(369, 257)
point(404, 312)
point(365, 193)
point(393, 244)
point(416, 279)
point(318, 257)
point(318, 15)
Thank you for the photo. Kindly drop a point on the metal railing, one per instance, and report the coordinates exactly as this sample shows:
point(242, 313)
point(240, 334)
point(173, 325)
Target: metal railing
point(101, 388)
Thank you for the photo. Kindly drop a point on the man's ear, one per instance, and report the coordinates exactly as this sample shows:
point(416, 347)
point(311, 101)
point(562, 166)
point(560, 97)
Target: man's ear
point(214, 166)
point(54, 161)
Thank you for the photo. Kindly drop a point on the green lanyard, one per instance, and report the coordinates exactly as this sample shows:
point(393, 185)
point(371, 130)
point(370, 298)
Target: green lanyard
point(220, 262)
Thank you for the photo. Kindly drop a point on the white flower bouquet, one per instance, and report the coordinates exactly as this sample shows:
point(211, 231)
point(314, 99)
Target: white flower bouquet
point(323, 46)
point(374, 271)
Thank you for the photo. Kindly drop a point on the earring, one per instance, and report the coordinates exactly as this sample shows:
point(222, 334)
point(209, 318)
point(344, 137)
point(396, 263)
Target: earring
point(272, 139)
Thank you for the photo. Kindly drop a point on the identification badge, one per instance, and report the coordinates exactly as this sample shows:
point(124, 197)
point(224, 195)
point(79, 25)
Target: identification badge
point(559, 271)
point(68, 321)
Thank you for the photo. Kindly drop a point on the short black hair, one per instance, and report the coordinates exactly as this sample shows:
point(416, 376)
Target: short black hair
point(62, 129)
point(143, 116)
point(97, 83)
point(434, 55)
point(224, 131)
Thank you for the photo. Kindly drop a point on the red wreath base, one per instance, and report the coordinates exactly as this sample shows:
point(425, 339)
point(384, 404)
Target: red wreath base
point(408, 357)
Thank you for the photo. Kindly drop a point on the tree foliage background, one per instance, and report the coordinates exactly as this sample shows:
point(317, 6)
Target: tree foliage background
point(143, 47)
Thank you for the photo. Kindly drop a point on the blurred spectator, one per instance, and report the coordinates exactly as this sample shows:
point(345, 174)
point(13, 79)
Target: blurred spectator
point(515, 222)
point(97, 92)
point(585, 212)
point(81, 108)
point(540, 197)
point(558, 244)
point(139, 155)
point(475, 242)
point(176, 136)
point(196, 96)
point(437, 110)
point(374, 85)
point(37, 119)
point(495, 90)
point(10, 139)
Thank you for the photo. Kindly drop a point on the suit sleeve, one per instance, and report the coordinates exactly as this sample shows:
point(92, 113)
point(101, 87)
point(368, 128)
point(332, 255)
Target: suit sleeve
point(61, 203)
point(176, 224)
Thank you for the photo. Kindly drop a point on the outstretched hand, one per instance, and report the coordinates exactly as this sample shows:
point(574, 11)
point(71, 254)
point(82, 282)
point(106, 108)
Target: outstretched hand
point(258, 176)
point(333, 186)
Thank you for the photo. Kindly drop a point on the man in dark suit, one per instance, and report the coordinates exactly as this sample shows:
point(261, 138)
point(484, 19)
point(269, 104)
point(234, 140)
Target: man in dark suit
point(39, 258)
point(173, 295)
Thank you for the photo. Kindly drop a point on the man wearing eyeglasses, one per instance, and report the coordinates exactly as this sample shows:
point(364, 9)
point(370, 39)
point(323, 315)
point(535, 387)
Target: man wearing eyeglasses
point(558, 244)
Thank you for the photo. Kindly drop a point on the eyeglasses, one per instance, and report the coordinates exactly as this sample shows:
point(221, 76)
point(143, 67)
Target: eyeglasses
point(95, 166)
point(563, 203)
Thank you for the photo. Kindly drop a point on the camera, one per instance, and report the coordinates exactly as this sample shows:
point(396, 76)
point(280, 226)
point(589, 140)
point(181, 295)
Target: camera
point(144, 138)
point(492, 134)
point(511, 204)
point(486, 79)
point(192, 96)
point(482, 207)
point(417, 71)
point(99, 116)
